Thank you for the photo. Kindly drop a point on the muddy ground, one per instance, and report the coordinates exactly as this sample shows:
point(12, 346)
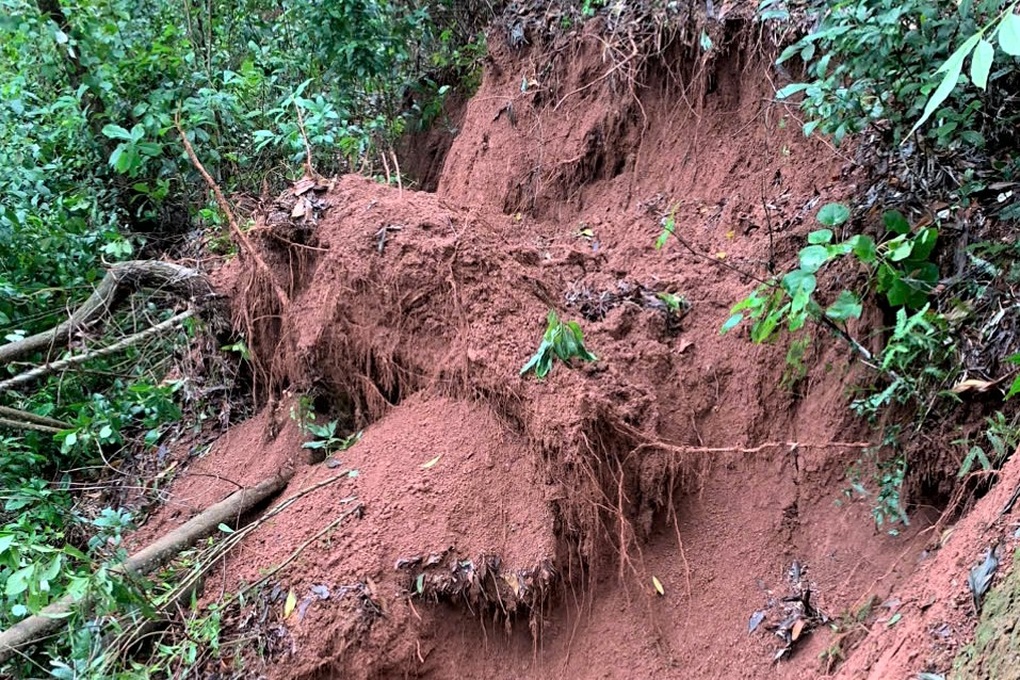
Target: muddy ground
point(517, 528)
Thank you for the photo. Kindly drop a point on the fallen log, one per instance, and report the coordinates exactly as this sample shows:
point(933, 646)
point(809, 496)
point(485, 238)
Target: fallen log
point(121, 279)
point(230, 509)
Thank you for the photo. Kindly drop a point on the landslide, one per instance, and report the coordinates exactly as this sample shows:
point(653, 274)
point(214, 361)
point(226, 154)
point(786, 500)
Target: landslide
point(512, 527)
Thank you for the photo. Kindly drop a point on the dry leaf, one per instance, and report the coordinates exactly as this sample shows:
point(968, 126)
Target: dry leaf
point(302, 186)
point(426, 466)
point(972, 384)
point(288, 606)
point(684, 344)
point(513, 582)
point(721, 255)
point(797, 629)
point(658, 586)
point(299, 209)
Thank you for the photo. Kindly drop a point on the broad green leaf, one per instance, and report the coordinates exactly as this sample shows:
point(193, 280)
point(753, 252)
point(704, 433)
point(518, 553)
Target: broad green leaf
point(734, 321)
point(6, 542)
point(833, 214)
point(116, 132)
point(981, 63)
point(846, 306)
point(863, 248)
point(17, 583)
point(924, 243)
point(952, 68)
point(1009, 34)
point(820, 236)
point(895, 222)
point(900, 249)
point(812, 258)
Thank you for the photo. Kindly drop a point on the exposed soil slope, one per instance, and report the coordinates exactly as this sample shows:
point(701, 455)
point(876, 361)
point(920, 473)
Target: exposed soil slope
point(510, 527)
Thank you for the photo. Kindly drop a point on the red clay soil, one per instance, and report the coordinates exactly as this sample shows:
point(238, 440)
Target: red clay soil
point(510, 527)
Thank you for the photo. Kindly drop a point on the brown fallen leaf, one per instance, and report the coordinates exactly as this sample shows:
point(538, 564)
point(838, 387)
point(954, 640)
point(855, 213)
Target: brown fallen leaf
point(303, 186)
point(299, 209)
point(797, 629)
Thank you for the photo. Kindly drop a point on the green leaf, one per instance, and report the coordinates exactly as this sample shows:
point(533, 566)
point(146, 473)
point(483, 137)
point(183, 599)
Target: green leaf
point(846, 306)
point(924, 243)
point(662, 240)
point(981, 63)
point(833, 214)
point(812, 258)
point(820, 236)
point(863, 248)
point(1014, 389)
point(896, 222)
point(1009, 34)
point(17, 583)
point(735, 320)
point(952, 68)
point(116, 132)
point(900, 249)
point(791, 90)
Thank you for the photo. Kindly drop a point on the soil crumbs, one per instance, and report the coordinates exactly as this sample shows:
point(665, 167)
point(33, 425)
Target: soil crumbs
point(635, 517)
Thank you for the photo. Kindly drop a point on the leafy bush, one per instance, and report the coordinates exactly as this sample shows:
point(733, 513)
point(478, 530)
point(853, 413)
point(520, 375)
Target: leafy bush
point(889, 62)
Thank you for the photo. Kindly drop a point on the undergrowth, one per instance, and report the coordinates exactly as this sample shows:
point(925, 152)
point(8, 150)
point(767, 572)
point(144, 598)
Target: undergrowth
point(928, 88)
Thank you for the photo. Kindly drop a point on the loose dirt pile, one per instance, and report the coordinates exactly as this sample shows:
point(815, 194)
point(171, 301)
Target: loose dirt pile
point(510, 527)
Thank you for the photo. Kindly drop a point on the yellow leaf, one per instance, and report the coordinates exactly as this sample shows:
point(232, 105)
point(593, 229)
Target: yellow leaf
point(721, 255)
point(658, 586)
point(730, 234)
point(288, 606)
point(426, 466)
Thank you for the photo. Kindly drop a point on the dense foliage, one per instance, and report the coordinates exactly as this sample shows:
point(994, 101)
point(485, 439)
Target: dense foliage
point(93, 173)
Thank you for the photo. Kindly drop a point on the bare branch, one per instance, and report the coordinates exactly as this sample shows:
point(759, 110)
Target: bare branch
point(120, 280)
point(18, 414)
point(221, 200)
point(53, 367)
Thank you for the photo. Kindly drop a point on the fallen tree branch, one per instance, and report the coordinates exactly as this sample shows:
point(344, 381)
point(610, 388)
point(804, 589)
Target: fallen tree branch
point(121, 279)
point(53, 367)
point(53, 617)
point(18, 414)
point(26, 425)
